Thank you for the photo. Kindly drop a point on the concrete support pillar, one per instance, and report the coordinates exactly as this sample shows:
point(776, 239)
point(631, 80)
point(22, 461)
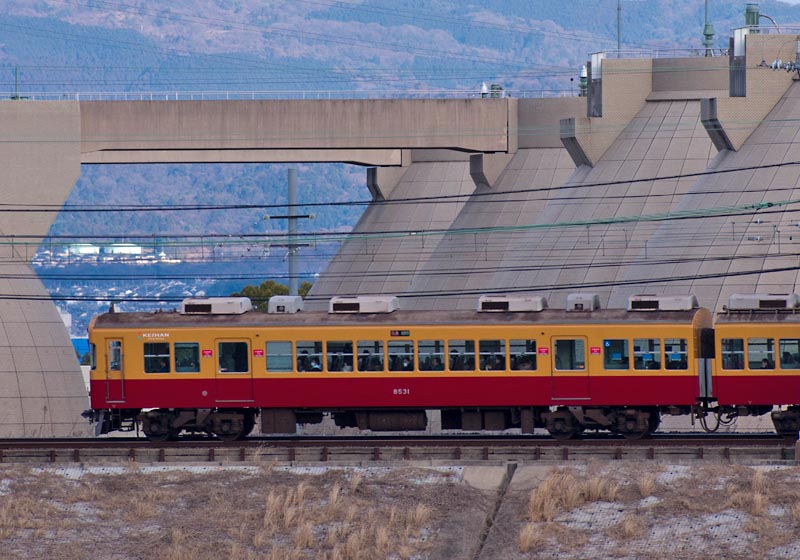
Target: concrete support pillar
point(41, 387)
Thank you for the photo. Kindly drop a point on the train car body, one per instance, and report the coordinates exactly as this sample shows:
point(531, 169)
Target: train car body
point(758, 357)
point(563, 370)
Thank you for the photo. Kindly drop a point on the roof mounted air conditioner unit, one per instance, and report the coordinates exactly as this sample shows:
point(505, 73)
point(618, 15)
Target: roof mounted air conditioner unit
point(583, 302)
point(285, 304)
point(216, 306)
point(649, 302)
point(512, 303)
point(364, 304)
point(752, 302)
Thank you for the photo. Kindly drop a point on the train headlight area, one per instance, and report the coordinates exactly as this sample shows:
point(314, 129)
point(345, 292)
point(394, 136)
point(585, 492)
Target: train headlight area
point(218, 367)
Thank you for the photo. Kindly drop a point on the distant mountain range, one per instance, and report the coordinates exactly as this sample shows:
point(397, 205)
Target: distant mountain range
point(134, 45)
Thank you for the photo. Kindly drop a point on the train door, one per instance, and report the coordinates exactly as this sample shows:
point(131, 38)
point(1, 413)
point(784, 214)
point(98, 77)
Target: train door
point(570, 371)
point(115, 371)
point(234, 372)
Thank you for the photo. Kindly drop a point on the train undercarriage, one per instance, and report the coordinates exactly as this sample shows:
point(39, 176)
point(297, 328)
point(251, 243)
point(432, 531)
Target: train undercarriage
point(563, 422)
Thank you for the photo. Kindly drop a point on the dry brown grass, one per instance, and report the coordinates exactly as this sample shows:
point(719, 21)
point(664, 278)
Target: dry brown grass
point(530, 537)
point(355, 482)
point(631, 526)
point(759, 484)
point(334, 499)
point(228, 514)
point(564, 490)
point(766, 499)
point(304, 537)
point(646, 485)
point(794, 512)
point(759, 503)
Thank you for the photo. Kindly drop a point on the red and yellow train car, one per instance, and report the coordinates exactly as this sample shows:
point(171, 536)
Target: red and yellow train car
point(216, 366)
point(758, 358)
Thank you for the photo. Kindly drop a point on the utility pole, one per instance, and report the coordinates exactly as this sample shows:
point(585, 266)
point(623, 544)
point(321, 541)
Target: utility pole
point(292, 197)
point(292, 245)
point(619, 19)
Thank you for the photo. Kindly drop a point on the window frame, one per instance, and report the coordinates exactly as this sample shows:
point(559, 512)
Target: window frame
point(196, 345)
point(238, 371)
point(287, 358)
point(609, 351)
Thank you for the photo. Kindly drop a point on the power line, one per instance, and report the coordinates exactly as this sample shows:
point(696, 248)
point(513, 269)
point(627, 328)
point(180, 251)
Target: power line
point(434, 293)
point(66, 208)
point(395, 273)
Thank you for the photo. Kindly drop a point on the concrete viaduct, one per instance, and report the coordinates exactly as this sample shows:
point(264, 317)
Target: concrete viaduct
point(570, 174)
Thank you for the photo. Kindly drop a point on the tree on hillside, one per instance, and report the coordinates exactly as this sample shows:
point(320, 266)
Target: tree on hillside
point(259, 295)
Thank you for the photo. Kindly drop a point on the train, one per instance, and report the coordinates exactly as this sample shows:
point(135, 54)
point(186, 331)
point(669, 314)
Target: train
point(216, 366)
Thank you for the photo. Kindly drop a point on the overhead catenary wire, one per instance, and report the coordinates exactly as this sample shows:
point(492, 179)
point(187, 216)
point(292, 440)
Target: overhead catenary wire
point(436, 293)
point(487, 195)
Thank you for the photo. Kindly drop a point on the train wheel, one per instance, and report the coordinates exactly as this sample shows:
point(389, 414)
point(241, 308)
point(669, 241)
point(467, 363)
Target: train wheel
point(635, 423)
point(638, 434)
point(562, 430)
point(229, 427)
point(157, 429)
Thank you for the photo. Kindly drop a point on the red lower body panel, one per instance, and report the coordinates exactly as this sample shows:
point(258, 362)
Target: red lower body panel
point(758, 390)
point(410, 392)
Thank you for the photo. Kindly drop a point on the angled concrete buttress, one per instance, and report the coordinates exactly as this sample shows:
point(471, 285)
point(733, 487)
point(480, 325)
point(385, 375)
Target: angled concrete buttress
point(41, 387)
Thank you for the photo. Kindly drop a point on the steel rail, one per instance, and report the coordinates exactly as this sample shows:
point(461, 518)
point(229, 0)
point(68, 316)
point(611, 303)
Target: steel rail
point(747, 448)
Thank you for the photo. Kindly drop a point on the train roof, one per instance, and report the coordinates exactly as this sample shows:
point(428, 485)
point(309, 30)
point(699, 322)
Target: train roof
point(759, 316)
point(173, 319)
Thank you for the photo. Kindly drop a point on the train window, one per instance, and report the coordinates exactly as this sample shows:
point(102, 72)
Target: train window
point(523, 354)
point(340, 355)
point(570, 354)
point(187, 357)
point(309, 356)
point(732, 353)
point(401, 355)
point(462, 355)
point(760, 353)
point(115, 355)
point(616, 354)
point(370, 355)
point(234, 357)
point(156, 357)
point(675, 353)
point(790, 353)
point(646, 353)
point(93, 356)
point(492, 354)
point(431, 355)
point(279, 356)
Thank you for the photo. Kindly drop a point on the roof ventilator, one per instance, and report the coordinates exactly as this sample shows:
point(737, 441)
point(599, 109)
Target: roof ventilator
point(364, 304)
point(583, 302)
point(512, 304)
point(285, 304)
point(216, 306)
point(753, 302)
point(650, 302)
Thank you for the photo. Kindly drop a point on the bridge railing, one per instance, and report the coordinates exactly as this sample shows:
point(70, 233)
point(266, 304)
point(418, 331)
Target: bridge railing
point(285, 94)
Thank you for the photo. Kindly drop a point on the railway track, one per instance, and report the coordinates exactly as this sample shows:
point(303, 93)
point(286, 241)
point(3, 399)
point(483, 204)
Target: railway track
point(362, 450)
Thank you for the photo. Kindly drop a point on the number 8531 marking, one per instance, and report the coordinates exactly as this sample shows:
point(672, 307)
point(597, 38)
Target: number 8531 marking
point(401, 391)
